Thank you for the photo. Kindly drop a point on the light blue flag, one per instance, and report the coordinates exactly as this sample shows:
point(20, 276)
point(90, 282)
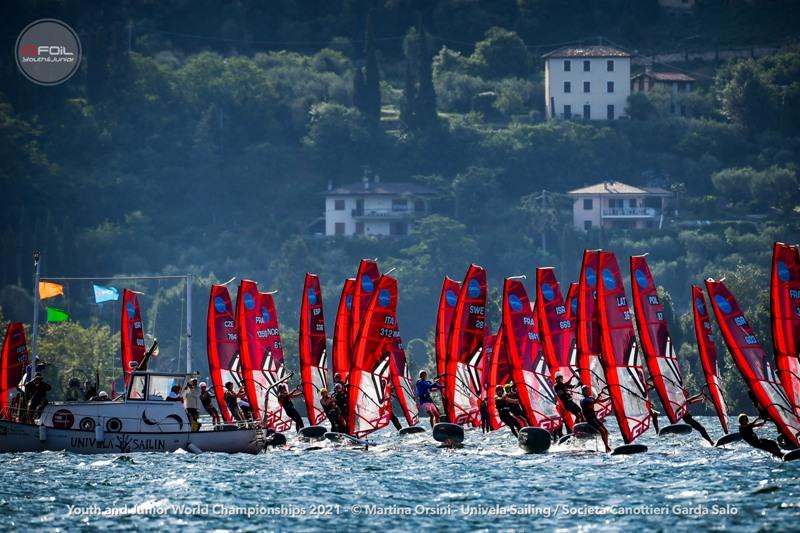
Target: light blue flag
point(105, 294)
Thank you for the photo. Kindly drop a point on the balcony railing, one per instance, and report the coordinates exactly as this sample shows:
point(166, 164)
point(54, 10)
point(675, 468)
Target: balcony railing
point(397, 212)
point(629, 212)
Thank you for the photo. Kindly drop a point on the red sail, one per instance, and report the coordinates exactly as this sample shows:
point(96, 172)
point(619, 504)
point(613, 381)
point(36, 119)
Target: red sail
point(750, 358)
point(222, 345)
point(620, 354)
point(313, 349)
point(465, 350)
point(657, 344)
point(363, 289)
point(342, 355)
point(588, 330)
point(572, 304)
point(131, 334)
point(708, 354)
point(402, 382)
point(528, 366)
point(499, 373)
point(785, 314)
point(12, 366)
point(444, 319)
point(557, 331)
point(368, 409)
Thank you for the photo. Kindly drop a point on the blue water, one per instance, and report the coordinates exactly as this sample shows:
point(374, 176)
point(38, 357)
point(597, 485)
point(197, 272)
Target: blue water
point(682, 478)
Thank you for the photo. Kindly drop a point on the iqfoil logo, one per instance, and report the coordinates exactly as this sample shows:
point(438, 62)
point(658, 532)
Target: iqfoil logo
point(48, 52)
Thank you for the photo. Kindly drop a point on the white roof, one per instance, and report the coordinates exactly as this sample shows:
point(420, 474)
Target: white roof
point(618, 188)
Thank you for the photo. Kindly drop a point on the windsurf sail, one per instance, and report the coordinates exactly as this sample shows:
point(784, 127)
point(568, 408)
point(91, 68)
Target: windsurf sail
point(557, 332)
point(222, 345)
point(750, 358)
point(402, 382)
point(261, 354)
point(13, 360)
point(371, 362)
point(708, 354)
point(785, 315)
point(131, 334)
point(620, 353)
point(499, 374)
point(528, 365)
point(444, 320)
point(465, 350)
point(588, 330)
point(313, 349)
point(366, 280)
point(342, 355)
point(659, 352)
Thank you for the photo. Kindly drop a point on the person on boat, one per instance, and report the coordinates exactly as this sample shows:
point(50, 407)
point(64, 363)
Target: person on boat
point(331, 410)
point(36, 392)
point(387, 404)
point(563, 391)
point(90, 390)
point(504, 405)
point(244, 403)
point(16, 405)
point(208, 404)
point(232, 402)
point(74, 392)
point(484, 414)
point(191, 402)
point(588, 403)
point(426, 405)
point(101, 397)
point(689, 419)
point(174, 394)
point(746, 430)
point(285, 400)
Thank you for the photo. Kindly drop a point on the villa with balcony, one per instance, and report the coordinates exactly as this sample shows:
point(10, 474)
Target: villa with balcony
point(371, 207)
point(615, 205)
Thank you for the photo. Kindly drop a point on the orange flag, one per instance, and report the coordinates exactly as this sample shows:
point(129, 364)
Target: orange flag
point(48, 289)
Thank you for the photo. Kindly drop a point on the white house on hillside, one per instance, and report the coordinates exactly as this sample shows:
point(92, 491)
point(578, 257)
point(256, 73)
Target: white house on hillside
point(612, 204)
point(374, 208)
point(587, 82)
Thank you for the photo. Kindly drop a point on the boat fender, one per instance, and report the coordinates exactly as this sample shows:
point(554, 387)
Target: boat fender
point(42, 432)
point(99, 433)
point(194, 448)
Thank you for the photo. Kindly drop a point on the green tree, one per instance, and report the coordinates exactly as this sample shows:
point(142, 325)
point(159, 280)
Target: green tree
point(745, 95)
point(502, 54)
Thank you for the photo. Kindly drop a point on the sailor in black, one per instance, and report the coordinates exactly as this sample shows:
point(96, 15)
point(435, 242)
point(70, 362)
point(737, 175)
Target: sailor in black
point(285, 401)
point(749, 436)
point(504, 410)
point(564, 392)
point(590, 416)
point(689, 419)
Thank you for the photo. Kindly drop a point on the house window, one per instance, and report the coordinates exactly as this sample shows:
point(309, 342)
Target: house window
point(587, 86)
point(399, 204)
point(610, 86)
point(398, 228)
point(567, 87)
point(586, 65)
point(610, 112)
point(338, 205)
point(419, 206)
point(588, 204)
point(610, 65)
point(567, 112)
point(339, 228)
point(587, 112)
point(359, 228)
point(587, 225)
point(641, 84)
point(567, 65)
point(632, 202)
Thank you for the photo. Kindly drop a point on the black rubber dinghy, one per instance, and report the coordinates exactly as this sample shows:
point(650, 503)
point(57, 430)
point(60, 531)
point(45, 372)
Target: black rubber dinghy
point(728, 439)
point(675, 429)
point(629, 449)
point(534, 440)
point(312, 433)
point(448, 434)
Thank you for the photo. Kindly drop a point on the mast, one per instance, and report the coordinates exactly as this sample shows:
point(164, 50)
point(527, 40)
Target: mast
point(189, 323)
point(35, 343)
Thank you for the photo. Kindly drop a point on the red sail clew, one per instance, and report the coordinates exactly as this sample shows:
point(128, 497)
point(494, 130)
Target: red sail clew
point(659, 351)
point(465, 350)
point(313, 349)
point(750, 358)
point(131, 334)
point(588, 329)
point(622, 361)
point(369, 408)
point(528, 365)
point(557, 332)
point(342, 354)
point(222, 345)
point(785, 314)
point(12, 367)
point(708, 354)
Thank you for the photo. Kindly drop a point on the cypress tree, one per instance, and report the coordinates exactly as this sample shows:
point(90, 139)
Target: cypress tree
point(372, 88)
point(409, 98)
point(425, 108)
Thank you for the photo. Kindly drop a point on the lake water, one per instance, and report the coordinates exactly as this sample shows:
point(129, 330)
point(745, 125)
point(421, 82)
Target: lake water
point(409, 484)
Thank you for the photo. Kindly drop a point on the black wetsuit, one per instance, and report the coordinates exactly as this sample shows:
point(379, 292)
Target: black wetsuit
point(484, 412)
point(516, 407)
point(768, 445)
point(333, 414)
point(342, 401)
point(564, 394)
point(689, 419)
point(589, 415)
point(232, 402)
point(285, 399)
point(504, 411)
point(208, 405)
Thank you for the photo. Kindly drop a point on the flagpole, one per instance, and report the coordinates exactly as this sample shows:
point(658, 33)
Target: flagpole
point(189, 324)
point(35, 344)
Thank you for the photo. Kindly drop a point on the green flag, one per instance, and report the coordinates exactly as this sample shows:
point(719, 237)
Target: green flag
point(55, 314)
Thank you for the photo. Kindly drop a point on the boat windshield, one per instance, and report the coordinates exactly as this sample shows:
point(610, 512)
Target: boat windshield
point(155, 387)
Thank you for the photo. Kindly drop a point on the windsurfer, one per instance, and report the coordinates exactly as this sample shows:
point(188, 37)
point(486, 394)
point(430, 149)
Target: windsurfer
point(484, 413)
point(515, 406)
point(564, 392)
point(207, 401)
point(505, 405)
point(426, 405)
point(387, 404)
point(590, 416)
point(285, 400)
point(328, 404)
point(749, 436)
point(689, 419)
point(232, 402)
